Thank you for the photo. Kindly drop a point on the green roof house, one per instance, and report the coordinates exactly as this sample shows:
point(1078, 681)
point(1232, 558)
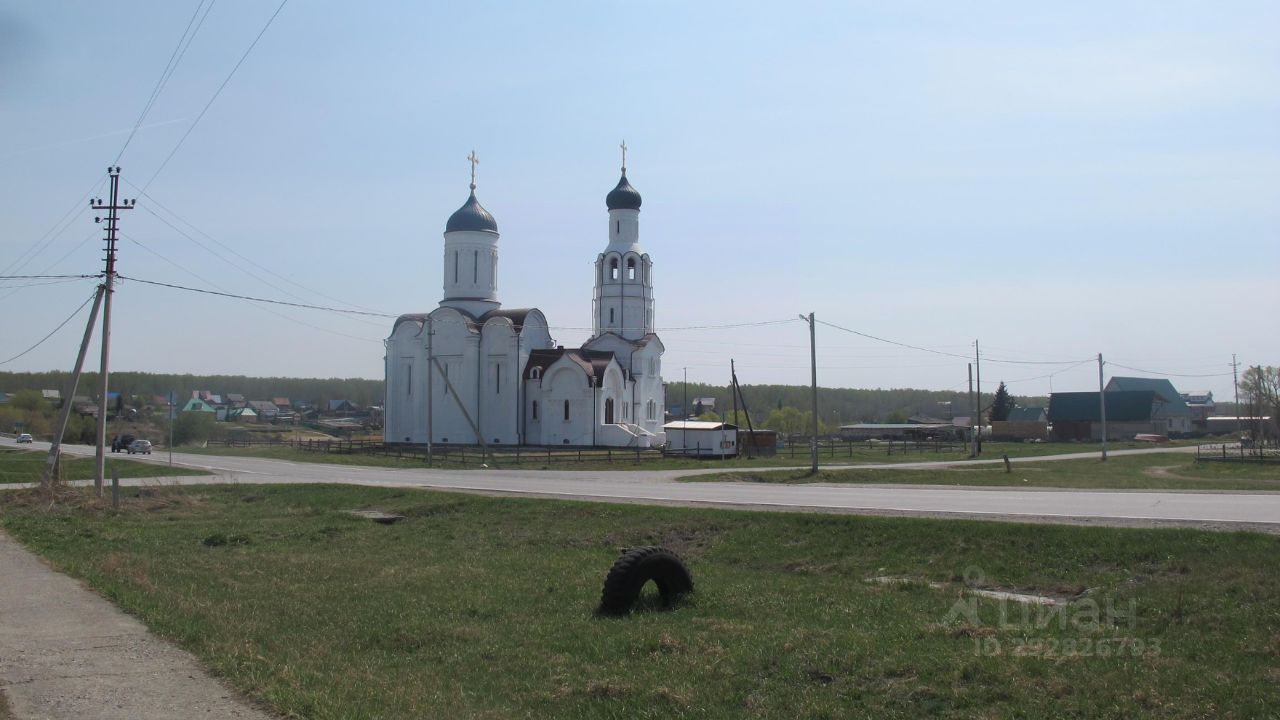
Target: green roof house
point(1078, 415)
point(198, 405)
point(1170, 406)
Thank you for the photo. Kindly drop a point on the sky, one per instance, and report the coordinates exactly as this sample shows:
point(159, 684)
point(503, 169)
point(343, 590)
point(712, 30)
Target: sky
point(1052, 180)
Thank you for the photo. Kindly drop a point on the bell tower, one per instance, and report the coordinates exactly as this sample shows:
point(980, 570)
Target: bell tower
point(623, 301)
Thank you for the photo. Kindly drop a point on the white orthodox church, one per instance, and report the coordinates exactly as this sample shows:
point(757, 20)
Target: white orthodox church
point(471, 371)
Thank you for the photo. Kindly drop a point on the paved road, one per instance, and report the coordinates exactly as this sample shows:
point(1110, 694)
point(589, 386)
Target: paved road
point(1258, 510)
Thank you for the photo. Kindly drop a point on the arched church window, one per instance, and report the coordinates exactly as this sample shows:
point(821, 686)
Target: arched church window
point(534, 374)
point(535, 409)
point(610, 316)
point(455, 266)
point(608, 411)
point(631, 268)
point(613, 269)
point(617, 227)
point(566, 411)
point(475, 268)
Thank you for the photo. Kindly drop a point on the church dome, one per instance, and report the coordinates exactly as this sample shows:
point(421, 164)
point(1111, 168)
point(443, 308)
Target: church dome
point(623, 197)
point(471, 216)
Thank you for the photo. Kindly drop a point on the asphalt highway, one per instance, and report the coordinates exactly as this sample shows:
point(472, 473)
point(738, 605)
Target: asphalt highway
point(1217, 509)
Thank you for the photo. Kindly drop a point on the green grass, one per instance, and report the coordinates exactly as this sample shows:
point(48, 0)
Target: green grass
point(1171, 471)
point(481, 607)
point(27, 466)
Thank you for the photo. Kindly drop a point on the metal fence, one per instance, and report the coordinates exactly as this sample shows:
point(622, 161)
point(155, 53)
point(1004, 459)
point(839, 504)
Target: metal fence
point(1259, 452)
point(474, 455)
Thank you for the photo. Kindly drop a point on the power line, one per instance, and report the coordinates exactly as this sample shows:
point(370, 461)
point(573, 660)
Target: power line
point(944, 353)
point(1166, 374)
point(269, 311)
point(43, 242)
point(46, 277)
point(688, 327)
point(216, 93)
point(231, 250)
point(179, 51)
point(257, 299)
point(52, 332)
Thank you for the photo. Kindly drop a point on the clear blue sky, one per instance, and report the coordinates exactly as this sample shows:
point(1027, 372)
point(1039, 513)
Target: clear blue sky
point(1056, 180)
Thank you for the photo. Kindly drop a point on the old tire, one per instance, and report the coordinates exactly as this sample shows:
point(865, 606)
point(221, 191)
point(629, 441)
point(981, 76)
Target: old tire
point(638, 566)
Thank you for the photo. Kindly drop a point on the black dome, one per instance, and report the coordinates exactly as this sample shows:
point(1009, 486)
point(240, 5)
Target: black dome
point(623, 197)
point(471, 217)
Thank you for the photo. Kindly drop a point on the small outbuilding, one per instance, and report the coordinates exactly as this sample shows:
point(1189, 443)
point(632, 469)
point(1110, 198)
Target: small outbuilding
point(701, 438)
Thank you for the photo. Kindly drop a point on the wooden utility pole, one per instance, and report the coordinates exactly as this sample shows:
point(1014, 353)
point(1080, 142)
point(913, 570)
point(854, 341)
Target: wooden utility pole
point(55, 448)
point(977, 362)
point(973, 412)
point(1102, 408)
point(1235, 383)
point(813, 390)
point(108, 284)
point(737, 395)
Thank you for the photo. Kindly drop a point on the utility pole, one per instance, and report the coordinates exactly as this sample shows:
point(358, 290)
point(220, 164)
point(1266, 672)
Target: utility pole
point(1102, 408)
point(431, 381)
point(977, 362)
point(108, 284)
point(737, 395)
point(1235, 383)
point(55, 448)
point(973, 413)
point(813, 391)
point(172, 417)
point(733, 394)
point(684, 408)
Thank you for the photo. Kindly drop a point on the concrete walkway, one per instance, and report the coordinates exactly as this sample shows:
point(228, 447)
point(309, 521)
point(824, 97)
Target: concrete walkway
point(66, 653)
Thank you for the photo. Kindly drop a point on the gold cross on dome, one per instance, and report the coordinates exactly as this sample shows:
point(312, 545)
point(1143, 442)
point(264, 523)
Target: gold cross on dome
point(474, 161)
point(624, 155)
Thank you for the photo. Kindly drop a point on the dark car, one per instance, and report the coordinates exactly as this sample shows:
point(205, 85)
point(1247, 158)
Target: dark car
point(121, 443)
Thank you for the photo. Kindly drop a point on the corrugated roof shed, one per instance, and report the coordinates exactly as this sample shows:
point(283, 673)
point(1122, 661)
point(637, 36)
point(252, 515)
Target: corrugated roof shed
point(1026, 414)
point(1175, 405)
point(1122, 406)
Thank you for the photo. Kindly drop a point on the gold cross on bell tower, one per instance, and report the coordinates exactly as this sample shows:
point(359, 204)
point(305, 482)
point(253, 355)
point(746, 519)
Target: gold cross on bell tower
point(624, 155)
point(474, 161)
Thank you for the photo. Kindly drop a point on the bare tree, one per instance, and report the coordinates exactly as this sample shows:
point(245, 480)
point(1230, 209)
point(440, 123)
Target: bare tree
point(1260, 388)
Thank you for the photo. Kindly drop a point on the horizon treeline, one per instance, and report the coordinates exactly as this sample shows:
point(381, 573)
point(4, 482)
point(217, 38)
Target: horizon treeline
point(835, 405)
point(360, 391)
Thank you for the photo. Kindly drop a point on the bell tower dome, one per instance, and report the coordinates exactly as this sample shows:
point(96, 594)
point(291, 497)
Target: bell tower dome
point(624, 273)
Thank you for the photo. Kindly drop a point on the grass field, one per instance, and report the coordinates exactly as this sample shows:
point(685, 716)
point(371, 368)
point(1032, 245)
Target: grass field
point(26, 466)
point(481, 607)
point(1164, 471)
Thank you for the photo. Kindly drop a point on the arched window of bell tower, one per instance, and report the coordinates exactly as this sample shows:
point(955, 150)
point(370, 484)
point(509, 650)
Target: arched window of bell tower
point(631, 268)
point(613, 269)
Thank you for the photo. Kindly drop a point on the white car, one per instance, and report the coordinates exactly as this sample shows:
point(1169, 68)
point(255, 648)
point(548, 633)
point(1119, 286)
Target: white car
point(140, 446)
point(25, 438)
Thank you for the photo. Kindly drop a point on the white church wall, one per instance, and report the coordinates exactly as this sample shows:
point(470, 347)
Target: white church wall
point(566, 382)
point(499, 399)
point(456, 348)
point(405, 385)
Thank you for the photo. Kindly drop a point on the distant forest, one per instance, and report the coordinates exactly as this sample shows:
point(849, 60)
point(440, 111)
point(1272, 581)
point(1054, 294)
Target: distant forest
point(841, 405)
point(313, 390)
point(836, 405)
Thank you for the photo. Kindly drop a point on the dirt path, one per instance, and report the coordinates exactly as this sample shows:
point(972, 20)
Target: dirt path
point(67, 653)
